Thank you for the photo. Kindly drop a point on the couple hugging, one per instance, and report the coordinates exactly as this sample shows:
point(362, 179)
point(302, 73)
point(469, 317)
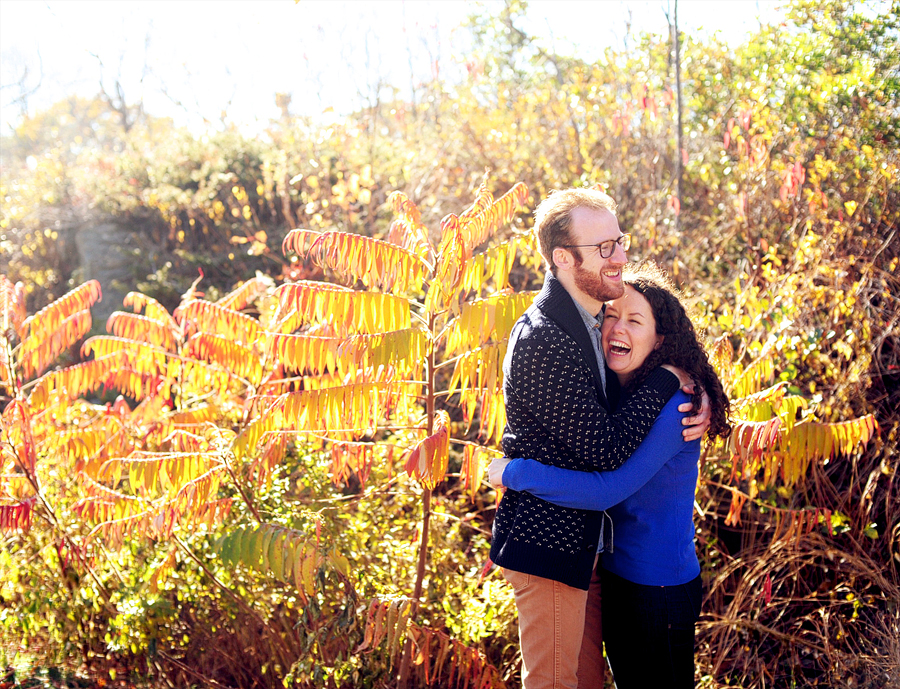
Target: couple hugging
point(595, 381)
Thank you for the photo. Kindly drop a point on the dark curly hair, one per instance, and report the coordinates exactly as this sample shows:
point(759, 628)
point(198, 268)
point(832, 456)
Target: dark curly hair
point(681, 345)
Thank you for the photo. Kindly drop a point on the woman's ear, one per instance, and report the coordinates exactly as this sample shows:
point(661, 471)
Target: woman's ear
point(659, 341)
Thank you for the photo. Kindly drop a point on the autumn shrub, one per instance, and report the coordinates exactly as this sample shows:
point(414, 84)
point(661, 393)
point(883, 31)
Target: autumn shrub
point(194, 467)
point(784, 237)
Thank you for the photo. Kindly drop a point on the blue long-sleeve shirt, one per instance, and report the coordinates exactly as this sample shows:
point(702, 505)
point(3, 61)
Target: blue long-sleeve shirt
point(650, 500)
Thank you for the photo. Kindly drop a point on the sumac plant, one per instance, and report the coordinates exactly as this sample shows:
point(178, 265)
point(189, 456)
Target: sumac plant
point(369, 366)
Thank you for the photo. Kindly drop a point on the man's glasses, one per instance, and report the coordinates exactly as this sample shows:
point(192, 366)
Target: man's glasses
point(605, 248)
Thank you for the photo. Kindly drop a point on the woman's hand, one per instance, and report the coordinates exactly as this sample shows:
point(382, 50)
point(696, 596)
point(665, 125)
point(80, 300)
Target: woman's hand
point(495, 471)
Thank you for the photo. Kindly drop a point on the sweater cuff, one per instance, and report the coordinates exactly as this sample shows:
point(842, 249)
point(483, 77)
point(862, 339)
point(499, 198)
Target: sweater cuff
point(663, 381)
point(511, 472)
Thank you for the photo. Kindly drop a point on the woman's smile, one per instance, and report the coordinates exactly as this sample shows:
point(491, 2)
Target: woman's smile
point(629, 333)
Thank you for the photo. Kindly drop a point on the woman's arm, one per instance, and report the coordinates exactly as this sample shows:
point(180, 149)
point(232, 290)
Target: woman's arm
point(601, 490)
point(549, 390)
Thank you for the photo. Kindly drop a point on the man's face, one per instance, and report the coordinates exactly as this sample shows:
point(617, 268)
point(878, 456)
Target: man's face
point(598, 278)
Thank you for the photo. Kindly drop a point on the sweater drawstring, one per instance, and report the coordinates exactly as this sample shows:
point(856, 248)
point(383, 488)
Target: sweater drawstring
point(602, 547)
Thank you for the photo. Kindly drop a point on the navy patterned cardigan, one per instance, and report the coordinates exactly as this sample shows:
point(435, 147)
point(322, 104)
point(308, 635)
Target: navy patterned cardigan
point(557, 413)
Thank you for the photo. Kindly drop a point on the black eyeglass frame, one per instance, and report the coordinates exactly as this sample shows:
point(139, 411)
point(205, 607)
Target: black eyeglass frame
point(623, 240)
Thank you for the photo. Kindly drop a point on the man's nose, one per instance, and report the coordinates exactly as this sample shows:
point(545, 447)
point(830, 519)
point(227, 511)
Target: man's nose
point(618, 254)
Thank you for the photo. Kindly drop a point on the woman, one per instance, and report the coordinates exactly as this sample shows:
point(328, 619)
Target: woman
point(650, 575)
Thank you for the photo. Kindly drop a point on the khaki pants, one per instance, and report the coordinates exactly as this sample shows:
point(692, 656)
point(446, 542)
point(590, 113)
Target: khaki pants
point(552, 630)
point(591, 663)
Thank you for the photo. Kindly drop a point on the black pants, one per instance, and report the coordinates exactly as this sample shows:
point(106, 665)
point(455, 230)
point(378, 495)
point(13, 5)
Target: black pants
point(649, 632)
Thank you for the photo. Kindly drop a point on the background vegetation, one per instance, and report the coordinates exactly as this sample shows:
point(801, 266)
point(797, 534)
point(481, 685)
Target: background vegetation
point(295, 558)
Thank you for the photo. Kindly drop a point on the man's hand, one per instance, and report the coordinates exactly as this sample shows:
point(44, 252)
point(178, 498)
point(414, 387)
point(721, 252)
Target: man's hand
point(697, 424)
point(495, 471)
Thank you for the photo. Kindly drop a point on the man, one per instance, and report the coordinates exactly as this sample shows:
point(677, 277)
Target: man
point(559, 412)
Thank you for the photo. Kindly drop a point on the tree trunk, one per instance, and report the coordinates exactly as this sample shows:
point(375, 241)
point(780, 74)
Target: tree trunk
point(406, 661)
point(679, 157)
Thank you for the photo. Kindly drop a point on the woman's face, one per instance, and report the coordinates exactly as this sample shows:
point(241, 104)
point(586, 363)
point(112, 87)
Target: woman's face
point(629, 333)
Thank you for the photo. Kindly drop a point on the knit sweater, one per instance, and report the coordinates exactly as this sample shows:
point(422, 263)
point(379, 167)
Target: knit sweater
point(650, 500)
point(558, 414)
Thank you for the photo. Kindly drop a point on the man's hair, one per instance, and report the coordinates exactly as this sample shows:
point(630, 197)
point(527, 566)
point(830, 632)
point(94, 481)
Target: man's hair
point(553, 218)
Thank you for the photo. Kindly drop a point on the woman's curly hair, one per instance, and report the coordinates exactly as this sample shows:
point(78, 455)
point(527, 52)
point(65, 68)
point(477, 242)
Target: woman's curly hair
point(681, 345)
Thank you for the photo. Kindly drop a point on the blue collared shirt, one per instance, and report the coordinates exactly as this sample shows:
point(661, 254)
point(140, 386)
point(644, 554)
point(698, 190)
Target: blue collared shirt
point(593, 324)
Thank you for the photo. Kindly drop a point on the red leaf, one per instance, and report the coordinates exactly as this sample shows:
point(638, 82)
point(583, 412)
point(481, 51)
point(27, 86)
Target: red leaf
point(488, 565)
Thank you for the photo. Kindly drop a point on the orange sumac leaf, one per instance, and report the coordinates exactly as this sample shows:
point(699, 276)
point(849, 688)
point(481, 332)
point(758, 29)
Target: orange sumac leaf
point(49, 318)
point(305, 353)
point(235, 357)
point(754, 376)
point(349, 311)
point(16, 517)
point(198, 315)
point(135, 327)
point(239, 297)
point(493, 415)
point(484, 217)
point(400, 350)
point(479, 368)
point(267, 422)
point(12, 307)
point(428, 460)
point(73, 381)
point(374, 262)
point(734, 511)
point(407, 230)
point(87, 448)
point(474, 465)
point(143, 357)
point(467, 667)
point(810, 440)
point(40, 350)
point(152, 308)
point(16, 434)
point(356, 408)
point(494, 264)
point(451, 265)
point(347, 457)
point(299, 241)
point(199, 415)
point(750, 439)
point(483, 320)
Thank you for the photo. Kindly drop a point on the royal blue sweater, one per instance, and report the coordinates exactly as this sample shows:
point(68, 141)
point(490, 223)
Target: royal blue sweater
point(650, 500)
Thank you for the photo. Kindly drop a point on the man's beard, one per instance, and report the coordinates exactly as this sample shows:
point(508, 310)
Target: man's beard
point(593, 285)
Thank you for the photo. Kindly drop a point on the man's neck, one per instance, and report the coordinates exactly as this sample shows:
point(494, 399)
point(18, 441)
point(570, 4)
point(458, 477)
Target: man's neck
point(588, 303)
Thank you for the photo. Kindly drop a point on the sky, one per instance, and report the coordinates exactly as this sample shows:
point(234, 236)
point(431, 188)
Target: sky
point(195, 60)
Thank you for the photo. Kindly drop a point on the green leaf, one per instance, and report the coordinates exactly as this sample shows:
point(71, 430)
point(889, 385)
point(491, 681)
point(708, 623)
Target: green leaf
point(268, 532)
point(275, 555)
point(253, 548)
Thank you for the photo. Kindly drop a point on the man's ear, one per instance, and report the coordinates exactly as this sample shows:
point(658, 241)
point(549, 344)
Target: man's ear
point(563, 259)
